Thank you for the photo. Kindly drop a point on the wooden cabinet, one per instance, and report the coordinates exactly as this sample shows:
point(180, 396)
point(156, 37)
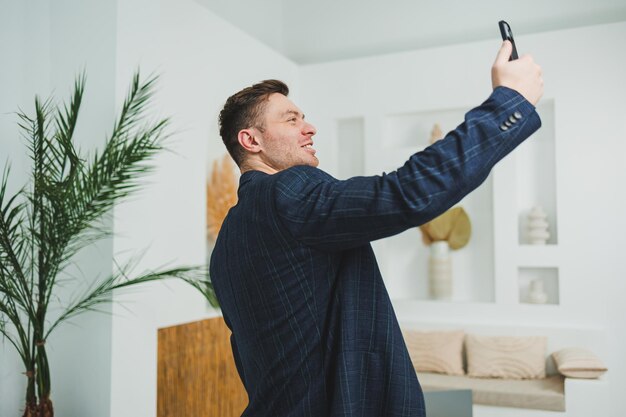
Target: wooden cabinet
point(196, 373)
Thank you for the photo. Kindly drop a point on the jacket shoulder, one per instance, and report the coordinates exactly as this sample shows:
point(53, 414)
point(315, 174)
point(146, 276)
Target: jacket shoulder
point(303, 174)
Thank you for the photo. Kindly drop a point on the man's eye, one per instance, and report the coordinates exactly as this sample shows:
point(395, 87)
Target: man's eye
point(293, 119)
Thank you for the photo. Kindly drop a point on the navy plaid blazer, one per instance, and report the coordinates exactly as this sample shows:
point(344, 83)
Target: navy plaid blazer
point(313, 329)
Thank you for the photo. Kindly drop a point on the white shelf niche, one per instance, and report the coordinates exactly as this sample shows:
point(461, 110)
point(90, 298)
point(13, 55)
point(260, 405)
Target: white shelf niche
point(548, 277)
point(404, 258)
point(535, 162)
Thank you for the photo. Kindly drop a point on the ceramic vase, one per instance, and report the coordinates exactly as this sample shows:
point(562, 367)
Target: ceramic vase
point(536, 294)
point(538, 226)
point(440, 271)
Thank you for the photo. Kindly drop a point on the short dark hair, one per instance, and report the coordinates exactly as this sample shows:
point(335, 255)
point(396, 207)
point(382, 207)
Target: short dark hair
point(245, 109)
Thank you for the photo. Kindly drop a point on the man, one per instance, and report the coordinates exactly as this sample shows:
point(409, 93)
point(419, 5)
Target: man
point(314, 332)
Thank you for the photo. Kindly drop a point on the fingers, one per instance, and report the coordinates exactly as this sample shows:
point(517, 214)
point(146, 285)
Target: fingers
point(504, 53)
point(523, 75)
point(532, 67)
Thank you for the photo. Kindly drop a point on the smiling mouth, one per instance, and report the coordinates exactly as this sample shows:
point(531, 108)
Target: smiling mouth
point(309, 148)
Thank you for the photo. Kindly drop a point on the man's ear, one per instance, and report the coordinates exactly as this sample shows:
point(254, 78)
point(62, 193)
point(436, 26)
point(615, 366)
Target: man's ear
point(248, 140)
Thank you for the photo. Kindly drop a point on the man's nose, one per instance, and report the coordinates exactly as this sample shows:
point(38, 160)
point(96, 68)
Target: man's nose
point(309, 129)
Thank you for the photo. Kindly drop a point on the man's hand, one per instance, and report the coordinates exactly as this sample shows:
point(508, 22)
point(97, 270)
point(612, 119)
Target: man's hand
point(521, 75)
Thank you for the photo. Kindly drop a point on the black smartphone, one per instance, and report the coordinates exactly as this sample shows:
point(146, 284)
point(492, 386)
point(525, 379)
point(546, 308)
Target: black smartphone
point(507, 35)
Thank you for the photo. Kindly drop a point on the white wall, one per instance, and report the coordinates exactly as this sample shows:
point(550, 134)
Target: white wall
point(44, 47)
point(584, 74)
point(25, 51)
point(202, 60)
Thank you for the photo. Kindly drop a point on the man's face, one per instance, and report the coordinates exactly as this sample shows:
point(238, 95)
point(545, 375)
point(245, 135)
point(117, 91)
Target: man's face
point(287, 139)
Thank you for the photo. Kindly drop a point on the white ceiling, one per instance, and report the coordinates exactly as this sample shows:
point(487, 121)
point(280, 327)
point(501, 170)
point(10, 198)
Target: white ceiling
point(325, 30)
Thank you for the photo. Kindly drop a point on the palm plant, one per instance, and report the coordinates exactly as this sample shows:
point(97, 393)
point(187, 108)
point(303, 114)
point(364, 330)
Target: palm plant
point(59, 212)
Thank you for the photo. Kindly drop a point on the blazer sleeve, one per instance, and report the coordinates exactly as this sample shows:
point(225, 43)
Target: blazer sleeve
point(331, 215)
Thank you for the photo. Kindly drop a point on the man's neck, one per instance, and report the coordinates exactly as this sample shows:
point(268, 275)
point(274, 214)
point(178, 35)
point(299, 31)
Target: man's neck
point(254, 165)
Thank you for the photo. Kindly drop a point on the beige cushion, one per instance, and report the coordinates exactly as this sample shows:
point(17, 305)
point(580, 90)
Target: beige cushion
point(436, 351)
point(506, 356)
point(578, 363)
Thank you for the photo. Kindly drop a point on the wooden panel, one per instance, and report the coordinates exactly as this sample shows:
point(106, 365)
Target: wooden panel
point(196, 372)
